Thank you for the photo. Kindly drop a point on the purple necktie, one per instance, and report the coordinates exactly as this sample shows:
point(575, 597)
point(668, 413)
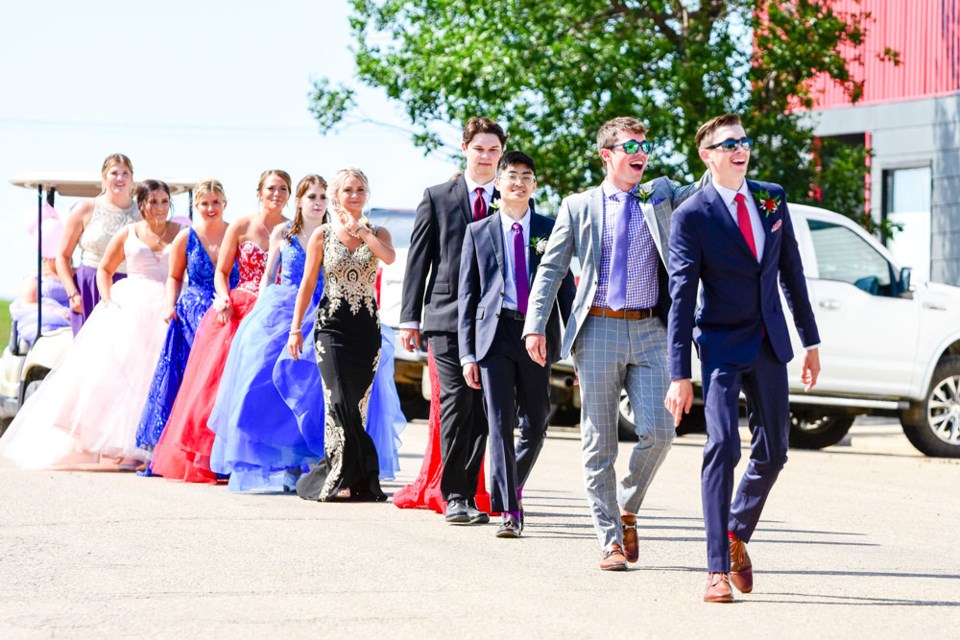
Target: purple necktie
point(520, 268)
point(479, 205)
point(617, 282)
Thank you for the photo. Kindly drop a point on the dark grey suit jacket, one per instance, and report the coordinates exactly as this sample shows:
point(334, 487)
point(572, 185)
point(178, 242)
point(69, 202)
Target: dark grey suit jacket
point(482, 280)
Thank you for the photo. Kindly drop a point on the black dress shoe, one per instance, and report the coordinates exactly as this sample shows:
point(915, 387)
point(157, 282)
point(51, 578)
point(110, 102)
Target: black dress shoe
point(457, 512)
point(509, 528)
point(474, 515)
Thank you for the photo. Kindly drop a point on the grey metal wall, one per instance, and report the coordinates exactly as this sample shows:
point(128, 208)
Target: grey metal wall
point(908, 134)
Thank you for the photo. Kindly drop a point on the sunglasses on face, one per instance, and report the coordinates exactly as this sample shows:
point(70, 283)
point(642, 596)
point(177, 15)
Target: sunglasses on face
point(730, 144)
point(632, 146)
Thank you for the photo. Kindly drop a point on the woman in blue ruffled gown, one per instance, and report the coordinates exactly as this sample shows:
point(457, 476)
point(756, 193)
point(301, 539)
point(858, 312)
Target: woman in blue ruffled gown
point(193, 252)
point(269, 418)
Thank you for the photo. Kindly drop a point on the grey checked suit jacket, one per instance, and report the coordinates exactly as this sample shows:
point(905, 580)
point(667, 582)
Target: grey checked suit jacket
point(579, 231)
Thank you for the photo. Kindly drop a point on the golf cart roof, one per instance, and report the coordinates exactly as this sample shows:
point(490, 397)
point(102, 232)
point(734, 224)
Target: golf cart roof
point(81, 185)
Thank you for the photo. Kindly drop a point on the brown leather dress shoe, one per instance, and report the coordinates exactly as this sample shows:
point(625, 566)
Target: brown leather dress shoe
point(718, 588)
point(631, 545)
point(741, 569)
point(612, 559)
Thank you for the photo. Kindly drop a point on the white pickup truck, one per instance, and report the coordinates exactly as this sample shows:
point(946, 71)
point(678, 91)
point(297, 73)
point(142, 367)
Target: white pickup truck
point(888, 347)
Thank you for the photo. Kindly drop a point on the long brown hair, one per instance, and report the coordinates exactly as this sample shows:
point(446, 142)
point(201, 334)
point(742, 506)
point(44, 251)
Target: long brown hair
point(306, 183)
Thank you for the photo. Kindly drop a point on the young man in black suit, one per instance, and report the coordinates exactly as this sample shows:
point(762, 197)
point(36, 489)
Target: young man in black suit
point(430, 291)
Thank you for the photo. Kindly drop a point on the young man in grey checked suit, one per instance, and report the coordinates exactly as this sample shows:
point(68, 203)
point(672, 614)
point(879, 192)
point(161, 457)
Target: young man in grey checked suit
point(620, 232)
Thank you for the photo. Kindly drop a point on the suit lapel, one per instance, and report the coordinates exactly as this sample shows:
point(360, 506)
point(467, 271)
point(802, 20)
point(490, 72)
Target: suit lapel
point(538, 229)
point(720, 213)
point(595, 211)
point(765, 220)
point(495, 233)
point(462, 197)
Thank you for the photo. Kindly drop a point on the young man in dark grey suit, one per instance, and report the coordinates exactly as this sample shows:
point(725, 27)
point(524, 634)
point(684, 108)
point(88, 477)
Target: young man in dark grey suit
point(500, 257)
point(430, 290)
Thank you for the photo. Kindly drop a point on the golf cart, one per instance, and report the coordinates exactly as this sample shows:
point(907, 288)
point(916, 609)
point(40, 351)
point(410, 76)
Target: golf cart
point(23, 366)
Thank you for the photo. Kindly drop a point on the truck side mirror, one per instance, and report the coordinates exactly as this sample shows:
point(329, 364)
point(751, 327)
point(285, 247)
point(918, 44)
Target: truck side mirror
point(905, 273)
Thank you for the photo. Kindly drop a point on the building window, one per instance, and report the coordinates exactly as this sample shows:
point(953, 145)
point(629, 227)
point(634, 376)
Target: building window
point(906, 200)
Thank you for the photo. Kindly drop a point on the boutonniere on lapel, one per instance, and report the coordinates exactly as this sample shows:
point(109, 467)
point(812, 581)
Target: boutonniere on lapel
point(539, 244)
point(766, 202)
point(495, 204)
point(645, 195)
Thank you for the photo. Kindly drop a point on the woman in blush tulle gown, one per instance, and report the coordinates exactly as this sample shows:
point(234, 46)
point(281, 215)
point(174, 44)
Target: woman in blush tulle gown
point(183, 452)
point(194, 253)
point(259, 442)
point(85, 413)
point(347, 340)
point(90, 225)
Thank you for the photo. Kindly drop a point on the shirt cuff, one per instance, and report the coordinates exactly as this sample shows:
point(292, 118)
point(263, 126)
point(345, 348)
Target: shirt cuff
point(812, 347)
point(410, 325)
point(467, 359)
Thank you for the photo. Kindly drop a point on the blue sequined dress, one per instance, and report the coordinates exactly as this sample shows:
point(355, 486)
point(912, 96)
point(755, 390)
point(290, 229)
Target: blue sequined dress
point(194, 301)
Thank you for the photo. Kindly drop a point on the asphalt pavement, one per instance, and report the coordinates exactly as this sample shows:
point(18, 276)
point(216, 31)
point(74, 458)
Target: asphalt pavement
point(857, 540)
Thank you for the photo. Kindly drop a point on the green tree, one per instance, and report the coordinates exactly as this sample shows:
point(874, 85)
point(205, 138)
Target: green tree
point(552, 71)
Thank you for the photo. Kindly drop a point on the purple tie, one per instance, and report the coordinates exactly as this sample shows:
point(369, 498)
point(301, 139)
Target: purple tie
point(617, 282)
point(520, 268)
point(479, 206)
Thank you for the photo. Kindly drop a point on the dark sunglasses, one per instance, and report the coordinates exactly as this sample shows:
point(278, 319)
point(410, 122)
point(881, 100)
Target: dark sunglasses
point(632, 146)
point(730, 144)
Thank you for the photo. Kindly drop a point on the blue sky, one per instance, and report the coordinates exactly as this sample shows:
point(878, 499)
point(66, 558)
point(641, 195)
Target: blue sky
point(188, 90)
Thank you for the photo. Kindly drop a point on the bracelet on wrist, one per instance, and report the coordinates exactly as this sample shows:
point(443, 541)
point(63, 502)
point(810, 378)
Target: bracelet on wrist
point(295, 332)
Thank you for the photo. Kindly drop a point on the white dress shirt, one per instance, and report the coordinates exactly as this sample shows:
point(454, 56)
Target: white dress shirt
point(727, 195)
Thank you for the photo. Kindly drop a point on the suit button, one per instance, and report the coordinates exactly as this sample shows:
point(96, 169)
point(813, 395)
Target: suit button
point(497, 315)
point(501, 294)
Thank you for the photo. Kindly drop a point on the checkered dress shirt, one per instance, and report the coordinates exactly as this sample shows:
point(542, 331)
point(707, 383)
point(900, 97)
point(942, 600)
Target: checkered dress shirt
point(642, 288)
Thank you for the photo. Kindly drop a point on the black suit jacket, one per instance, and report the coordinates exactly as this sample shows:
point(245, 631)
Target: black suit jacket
point(482, 282)
point(430, 283)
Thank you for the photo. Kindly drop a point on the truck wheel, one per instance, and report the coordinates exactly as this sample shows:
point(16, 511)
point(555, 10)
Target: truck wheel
point(934, 428)
point(811, 431)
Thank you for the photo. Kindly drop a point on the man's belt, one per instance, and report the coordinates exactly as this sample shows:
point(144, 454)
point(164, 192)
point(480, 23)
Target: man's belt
point(623, 314)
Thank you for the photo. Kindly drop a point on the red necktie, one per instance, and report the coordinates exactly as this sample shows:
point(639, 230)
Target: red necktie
point(743, 220)
point(479, 205)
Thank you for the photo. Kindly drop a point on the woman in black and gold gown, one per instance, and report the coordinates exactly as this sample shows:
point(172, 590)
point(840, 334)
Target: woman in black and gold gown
point(347, 339)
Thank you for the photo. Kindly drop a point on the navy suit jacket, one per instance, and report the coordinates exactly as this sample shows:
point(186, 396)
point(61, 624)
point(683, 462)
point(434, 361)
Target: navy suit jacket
point(482, 280)
point(740, 295)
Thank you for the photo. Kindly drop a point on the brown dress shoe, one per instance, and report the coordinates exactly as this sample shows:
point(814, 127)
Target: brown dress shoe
point(718, 588)
point(631, 546)
point(741, 569)
point(612, 559)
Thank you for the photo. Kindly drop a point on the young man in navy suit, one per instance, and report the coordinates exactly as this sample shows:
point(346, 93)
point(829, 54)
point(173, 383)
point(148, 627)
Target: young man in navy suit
point(500, 256)
point(736, 238)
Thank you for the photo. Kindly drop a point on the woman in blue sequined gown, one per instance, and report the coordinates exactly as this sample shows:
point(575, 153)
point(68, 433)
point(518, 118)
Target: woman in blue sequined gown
point(193, 252)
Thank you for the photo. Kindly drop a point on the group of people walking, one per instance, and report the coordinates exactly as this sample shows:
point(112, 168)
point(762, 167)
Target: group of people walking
point(223, 390)
point(487, 293)
point(180, 366)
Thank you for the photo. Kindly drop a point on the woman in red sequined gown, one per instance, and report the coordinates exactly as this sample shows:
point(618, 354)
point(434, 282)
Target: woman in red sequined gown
point(183, 452)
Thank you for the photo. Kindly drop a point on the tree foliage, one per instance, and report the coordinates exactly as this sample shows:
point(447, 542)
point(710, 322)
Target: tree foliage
point(552, 71)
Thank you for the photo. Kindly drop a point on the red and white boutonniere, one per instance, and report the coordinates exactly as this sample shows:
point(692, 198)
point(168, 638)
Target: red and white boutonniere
point(767, 203)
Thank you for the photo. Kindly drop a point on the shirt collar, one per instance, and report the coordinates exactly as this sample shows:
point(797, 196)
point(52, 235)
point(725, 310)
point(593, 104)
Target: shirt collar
point(727, 195)
point(507, 223)
point(610, 190)
point(472, 186)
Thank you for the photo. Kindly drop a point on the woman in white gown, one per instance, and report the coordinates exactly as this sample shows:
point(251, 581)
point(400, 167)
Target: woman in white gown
point(86, 412)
